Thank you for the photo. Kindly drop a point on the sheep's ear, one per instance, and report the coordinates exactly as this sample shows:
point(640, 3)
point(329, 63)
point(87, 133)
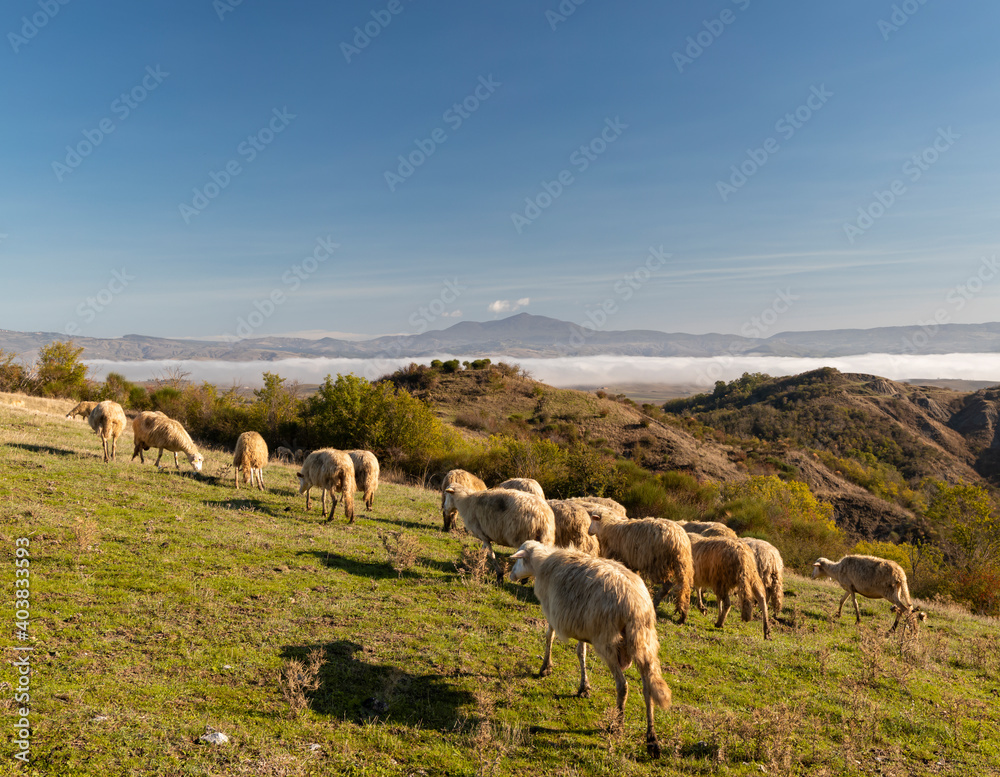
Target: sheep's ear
point(450, 490)
point(595, 517)
point(816, 564)
point(298, 474)
point(522, 553)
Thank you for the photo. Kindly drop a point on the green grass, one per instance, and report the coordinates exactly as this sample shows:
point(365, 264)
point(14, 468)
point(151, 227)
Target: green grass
point(165, 602)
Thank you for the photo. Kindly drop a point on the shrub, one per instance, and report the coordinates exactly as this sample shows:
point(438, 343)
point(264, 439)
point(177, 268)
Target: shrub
point(60, 373)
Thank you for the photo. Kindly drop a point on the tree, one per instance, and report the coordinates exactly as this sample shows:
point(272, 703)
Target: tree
point(14, 376)
point(60, 371)
point(276, 406)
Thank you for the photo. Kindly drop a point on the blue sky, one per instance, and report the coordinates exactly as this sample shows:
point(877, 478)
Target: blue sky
point(618, 110)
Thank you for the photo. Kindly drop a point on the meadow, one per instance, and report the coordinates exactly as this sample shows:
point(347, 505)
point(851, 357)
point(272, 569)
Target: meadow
point(166, 602)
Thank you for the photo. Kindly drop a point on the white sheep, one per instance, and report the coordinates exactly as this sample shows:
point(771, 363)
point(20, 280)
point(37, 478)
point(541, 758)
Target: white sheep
point(329, 470)
point(772, 572)
point(708, 529)
point(573, 526)
point(83, 409)
point(873, 578)
point(284, 455)
point(601, 602)
point(109, 421)
point(601, 501)
point(724, 565)
point(250, 459)
point(366, 472)
point(153, 429)
point(657, 549)
point(527, 485)
point(457, 477)
point(502, 516)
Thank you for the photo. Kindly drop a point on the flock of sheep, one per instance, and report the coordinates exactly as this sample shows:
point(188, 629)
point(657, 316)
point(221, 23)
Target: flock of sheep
point(587, 557)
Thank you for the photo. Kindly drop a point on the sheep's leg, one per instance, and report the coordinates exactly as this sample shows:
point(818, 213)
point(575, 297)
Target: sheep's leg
point(308, 491)
point(581, 653)
point(843, 599)
point(724, 606)
point(159, 457)
point(322, 512)
point(652, 745)
point(661, 594)
point(621, 686)
point(546, 669)
point(260, 479)
point(497, 566)
point(857, 611)
point(236, 477)
point(176, 465)
point(762, 603)
point(701, 604)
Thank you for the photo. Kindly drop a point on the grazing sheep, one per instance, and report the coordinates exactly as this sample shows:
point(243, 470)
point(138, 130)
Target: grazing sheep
point(772, 572)
point(153, 429)
point(366, 474)
point(724, 565)
point(329, 470)
point(573, 526)
point(527, 485)
point(284, 455)
point(873, 578)
point(659, 550)
point(109, 421)
point(83, 409)
point(598, 601)
point(502, 516)
point(601, 501)
point(457, 477)
point(250, 459)
point(300, 455)
point(708, 529)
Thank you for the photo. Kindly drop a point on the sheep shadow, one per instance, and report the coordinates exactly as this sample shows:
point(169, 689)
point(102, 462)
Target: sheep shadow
point(49, 449)
point(403, 524)
point(351, 689)
point(352, 566)
point(245, 503)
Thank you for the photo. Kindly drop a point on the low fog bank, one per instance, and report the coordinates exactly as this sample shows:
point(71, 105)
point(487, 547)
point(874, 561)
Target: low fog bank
point(575, 371)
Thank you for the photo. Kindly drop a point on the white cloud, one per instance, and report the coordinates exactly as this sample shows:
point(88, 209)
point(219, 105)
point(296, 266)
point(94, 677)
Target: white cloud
point(453, 314)
point(506, 306)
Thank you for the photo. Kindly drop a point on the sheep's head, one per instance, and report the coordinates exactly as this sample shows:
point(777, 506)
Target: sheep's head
point(449, 506)
point(595, 523)
point(302, 483)
point(196, 460)
point(818, 570)
point(522, 558)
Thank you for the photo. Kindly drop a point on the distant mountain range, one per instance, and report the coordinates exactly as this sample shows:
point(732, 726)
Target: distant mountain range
point(525, 335)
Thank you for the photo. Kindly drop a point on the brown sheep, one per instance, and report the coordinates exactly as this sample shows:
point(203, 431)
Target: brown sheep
point(109, 421)
point(366, 472)
point(457, 477)
point(83, 409)
point(598, 601)
point(329, 470)
point(657, 549)
point(250, 459)
point(708, 529)
point(153, 429)
point(873, 578)
point(772, 572)
point(724, 565)
point(573, 526)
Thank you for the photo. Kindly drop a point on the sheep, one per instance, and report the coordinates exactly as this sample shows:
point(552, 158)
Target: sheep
point(366, 474)
point(83, 409)
point(602, 501)
point(502, 516)
point(527, 485)
point(660, 550)
point(109, 421)
point(153, 429)
point(330, 470)
point(772, 572)
point(873, 578)
point(250, 459)
point(457, 477)
point(725, 564)
point(573, 526)
point(300, 455)
point(601, 602)
point(284, 455)
point(708, 529)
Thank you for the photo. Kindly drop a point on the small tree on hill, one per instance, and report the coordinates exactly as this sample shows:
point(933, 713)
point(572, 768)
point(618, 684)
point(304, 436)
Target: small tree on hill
point(60, 371)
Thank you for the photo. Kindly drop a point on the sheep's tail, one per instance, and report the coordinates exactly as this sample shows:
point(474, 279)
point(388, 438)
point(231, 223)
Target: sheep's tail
point(639, 643)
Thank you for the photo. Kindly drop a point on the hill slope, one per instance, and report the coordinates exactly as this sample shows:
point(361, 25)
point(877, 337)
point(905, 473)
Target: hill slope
point(162, 603)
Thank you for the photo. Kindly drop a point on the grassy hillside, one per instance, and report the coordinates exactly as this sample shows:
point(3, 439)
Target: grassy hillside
point(162, 603)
